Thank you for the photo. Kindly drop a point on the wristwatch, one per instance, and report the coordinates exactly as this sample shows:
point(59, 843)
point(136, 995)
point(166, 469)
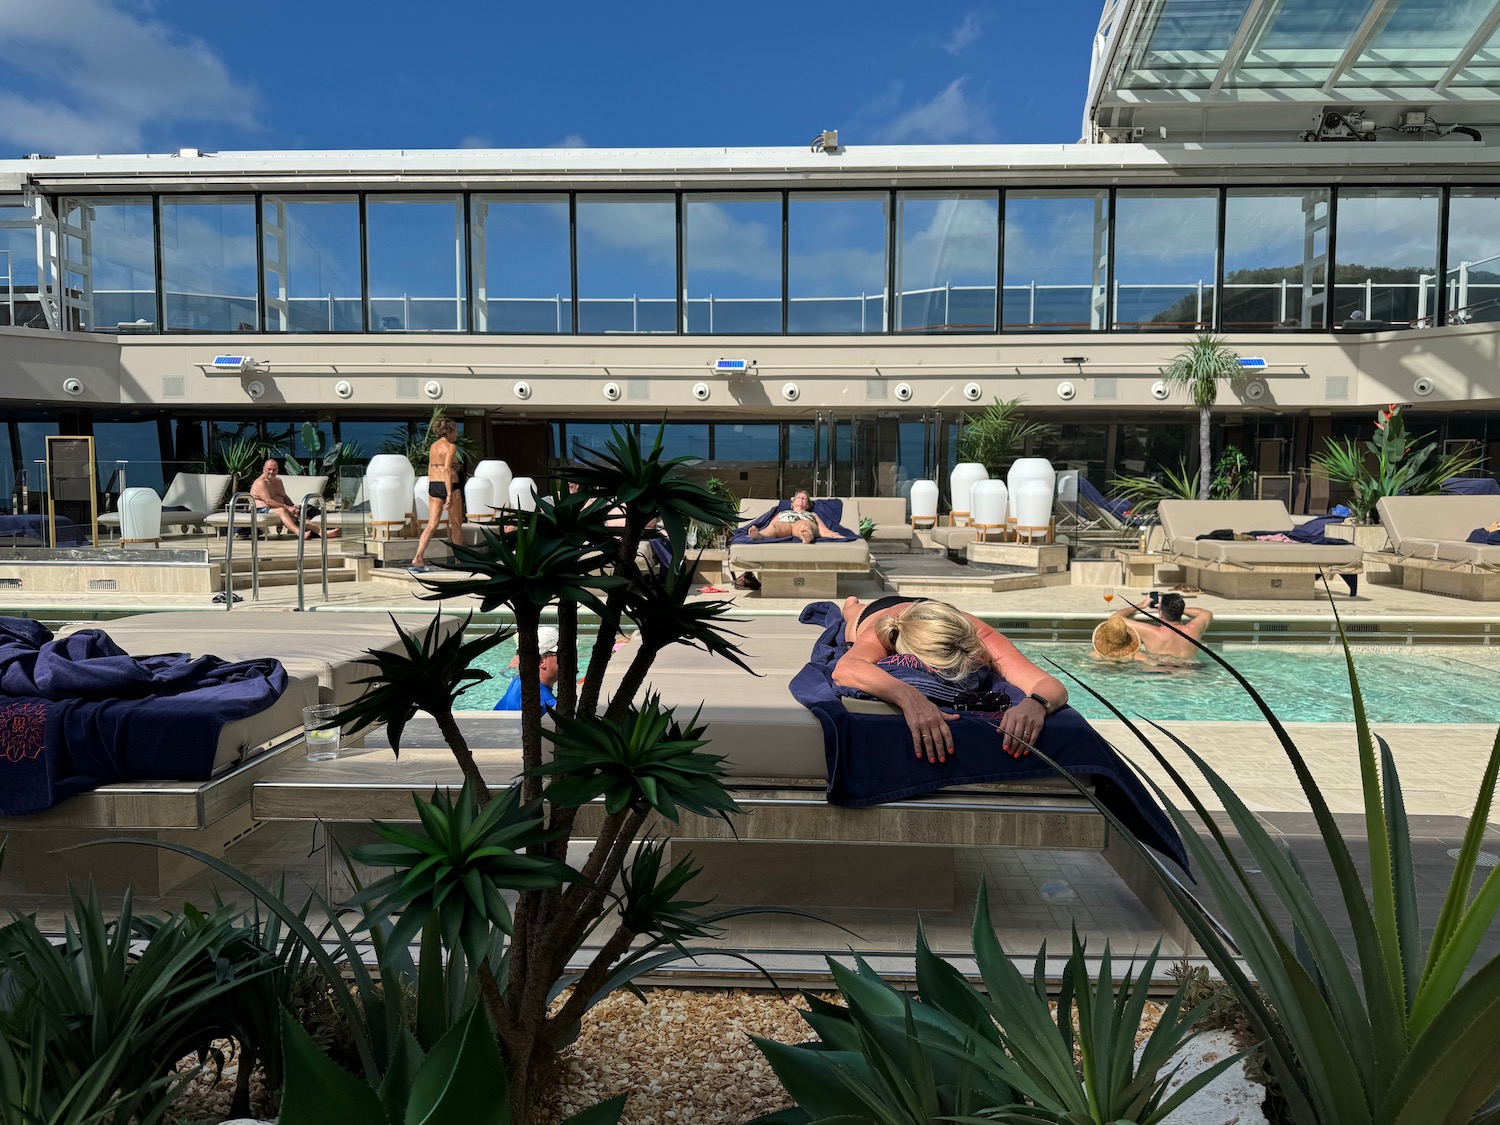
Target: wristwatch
point(1043, 700)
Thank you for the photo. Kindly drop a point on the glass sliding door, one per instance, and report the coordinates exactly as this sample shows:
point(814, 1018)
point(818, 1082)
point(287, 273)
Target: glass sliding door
point(415, 248)
point(208, 263)
point(1275, 258)
point(312, 263)
point(523, 273)
point(947, 255)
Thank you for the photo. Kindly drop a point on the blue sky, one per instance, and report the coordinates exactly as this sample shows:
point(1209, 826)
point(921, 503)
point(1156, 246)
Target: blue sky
point(155, 75)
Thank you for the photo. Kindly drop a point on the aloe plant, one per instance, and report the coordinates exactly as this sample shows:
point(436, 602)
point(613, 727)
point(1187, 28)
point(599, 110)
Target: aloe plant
point(1404, 1030)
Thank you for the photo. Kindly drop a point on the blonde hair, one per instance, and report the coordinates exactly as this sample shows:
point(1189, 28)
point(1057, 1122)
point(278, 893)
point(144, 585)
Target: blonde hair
point(936, 634)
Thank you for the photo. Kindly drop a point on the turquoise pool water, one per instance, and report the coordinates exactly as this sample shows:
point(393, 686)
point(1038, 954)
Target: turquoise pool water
point(1301, 686)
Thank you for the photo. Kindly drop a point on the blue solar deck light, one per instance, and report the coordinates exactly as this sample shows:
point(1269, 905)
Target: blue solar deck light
point(1253, 361)
point(237, 363)
point(733, 366)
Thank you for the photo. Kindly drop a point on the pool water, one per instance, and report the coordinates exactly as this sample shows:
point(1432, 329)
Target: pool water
point(1301, 686)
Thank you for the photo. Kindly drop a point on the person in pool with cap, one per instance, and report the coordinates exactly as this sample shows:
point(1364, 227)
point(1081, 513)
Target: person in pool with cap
point(546, 643)
point(1119, 637)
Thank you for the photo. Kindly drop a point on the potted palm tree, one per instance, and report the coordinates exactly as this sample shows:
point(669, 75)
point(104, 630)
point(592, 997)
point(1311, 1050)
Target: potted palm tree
point(995, 436)
point(1198, 369)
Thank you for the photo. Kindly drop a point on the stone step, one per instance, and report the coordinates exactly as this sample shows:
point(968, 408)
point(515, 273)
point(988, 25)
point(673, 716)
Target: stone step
point(289, 578)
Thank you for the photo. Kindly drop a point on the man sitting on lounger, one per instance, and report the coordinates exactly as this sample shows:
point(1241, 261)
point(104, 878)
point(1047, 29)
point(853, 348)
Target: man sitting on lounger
point(799, 521)
point(270, 496)
point(1169, 643)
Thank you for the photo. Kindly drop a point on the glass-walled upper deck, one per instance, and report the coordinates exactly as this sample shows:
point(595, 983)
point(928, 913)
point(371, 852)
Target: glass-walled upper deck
point(841, 261)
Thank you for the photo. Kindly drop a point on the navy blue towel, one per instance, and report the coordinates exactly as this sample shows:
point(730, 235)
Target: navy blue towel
point(79, 712)
point(870, 758)
point(1485, 537)
point(829, 511)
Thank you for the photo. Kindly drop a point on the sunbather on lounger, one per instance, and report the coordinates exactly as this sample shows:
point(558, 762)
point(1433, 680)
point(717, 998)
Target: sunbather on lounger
point(797, 522)
point(955, 646)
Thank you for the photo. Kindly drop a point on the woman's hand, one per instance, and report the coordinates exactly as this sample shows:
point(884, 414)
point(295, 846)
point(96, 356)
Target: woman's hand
point(929, 728)
point(1021, 726)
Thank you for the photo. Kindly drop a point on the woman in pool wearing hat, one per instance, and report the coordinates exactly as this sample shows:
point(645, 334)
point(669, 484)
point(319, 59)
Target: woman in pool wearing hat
point(953, 644)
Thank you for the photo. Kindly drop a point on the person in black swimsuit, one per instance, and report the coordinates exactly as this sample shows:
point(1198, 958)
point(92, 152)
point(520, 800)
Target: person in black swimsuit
point(950, 642)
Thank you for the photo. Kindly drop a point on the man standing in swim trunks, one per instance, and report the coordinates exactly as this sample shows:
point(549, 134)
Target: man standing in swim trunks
point(798, 521)
point(1169, 643)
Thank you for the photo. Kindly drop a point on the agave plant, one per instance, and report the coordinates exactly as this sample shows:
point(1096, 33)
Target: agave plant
point(1404, 1031)
point(1001, 1054)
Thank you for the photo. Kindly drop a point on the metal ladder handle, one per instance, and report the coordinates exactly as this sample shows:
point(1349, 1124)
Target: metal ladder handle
point(229, 552)
point(302, 544)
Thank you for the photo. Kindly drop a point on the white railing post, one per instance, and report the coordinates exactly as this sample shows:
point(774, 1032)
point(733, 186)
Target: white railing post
point(1031, 320)
point(1369, 309)
point(1281, 313)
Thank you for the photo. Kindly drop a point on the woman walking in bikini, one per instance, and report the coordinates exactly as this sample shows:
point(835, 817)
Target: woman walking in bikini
point(442, 490)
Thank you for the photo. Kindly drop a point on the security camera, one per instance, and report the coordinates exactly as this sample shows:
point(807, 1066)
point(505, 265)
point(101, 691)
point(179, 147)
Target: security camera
point(1160, 390)
point(73, 386)
point(1255, 391)
point(344, 389)
point(433, 389)
point(255, 388)
point(522, 390)
point(1066, 391)
point(903, 392)
point(701, 392)
point(612, 391)
point(790, 391)
point(972, 392)
point(1423, 387)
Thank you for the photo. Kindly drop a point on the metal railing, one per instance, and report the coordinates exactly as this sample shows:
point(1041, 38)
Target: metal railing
point(229, 531)
point(302, 544)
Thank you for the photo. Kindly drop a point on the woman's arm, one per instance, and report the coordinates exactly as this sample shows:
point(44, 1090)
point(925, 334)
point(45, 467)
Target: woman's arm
point(856, 669)
point(1021, 725)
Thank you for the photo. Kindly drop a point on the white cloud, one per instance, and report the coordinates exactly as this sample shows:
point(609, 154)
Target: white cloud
point(970, 28)
point(101, 76)
point(950, 117)
point(475, 140)
point(572, 140)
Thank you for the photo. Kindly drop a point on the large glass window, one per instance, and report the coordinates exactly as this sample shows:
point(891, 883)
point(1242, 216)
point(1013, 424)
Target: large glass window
point(754, 441)
point(1056, 260)
point(1473, 255)
point(1275, 258)
point(20, 300)
point(685, 439)
point(312, 263)
point(594, 436)
point(1386, 245)
point(415, 245)
point(112, 240)
point(523, 274)
point(627, 263)
point(837, 268)
point(133, 451)
point(732, 260)
point(1165, 259)
point(208, 263)
point(947, 254)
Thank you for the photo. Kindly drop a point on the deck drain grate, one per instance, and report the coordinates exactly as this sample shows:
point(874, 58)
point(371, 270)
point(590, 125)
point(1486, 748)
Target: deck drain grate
point(1483, 859)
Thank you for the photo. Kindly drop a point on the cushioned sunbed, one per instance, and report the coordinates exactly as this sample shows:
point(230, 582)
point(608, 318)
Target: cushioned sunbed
point(1239, 568)
point(1438, 527)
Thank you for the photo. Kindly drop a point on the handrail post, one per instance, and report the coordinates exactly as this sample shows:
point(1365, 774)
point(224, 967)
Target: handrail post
point(302, 545)
point(229, 550)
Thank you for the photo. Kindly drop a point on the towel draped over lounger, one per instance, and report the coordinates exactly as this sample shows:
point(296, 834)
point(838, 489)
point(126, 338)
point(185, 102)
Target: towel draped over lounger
point(829, 511)
point(79, 712)
point(870, 759)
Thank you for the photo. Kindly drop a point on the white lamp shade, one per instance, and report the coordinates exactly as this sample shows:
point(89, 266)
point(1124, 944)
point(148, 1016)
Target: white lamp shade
point(140, 514)
point(523, 494)
point(1067, 486)
point(498, 474)
point(990, 500)
point(477, 495)
point(924, 499)
point(419, 495)
point(390, 465)
point(388, 499)
point(1030, 468)
point(961, 482)
point(1031, 503)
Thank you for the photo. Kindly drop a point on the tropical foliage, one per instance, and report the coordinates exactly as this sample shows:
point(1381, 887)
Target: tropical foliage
point(1199, 369)
point(1000, 1054)
point(413, 443)
point(1391, 463)
point(1402, 1032)
point(998, 434)
point(1145, 493)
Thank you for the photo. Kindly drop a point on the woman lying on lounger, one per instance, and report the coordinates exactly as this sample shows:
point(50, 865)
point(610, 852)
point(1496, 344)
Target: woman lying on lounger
point(797, 522)
point(957, 647)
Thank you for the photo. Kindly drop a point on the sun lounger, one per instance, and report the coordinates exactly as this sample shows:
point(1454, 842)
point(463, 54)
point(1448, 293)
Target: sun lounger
point(1234, 568)
point(1429, 539)
point(188, 501)
point(801, 570)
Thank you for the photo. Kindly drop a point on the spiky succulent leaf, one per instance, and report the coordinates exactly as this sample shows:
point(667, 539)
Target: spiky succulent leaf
point(453, 867)
point(427, 675)
point(647, 758)
point(660, 605)
point(651, 903)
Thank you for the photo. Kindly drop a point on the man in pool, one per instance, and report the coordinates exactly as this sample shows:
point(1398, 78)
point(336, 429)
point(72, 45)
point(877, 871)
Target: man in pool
point(1169, 643)
point(546, 642)
point(798, 521)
